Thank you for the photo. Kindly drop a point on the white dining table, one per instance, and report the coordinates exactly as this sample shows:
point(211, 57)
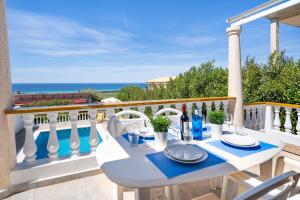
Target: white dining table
point(128, 166)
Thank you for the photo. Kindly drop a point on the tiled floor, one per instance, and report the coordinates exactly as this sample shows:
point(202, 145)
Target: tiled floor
point(97, 187)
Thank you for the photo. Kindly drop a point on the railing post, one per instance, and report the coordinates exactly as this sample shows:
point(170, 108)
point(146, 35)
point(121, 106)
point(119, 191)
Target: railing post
point(178, 106)
point(298, 122)
point(154, 109)
point(74, 138)
point(110, 113)
point(94, 140)
point(277, 118)
point(259, 125)
point(248, 121)
point(189, 107)
point(53, 144)
point(29, 144)
point(208, 109)
point(217, 105)
point(199, 106)
point(254, 118)
point(141, 109)
point(269, 117)
point(288, 122)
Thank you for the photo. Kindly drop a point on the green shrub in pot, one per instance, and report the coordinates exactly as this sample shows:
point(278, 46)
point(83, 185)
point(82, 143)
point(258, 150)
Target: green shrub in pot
point(160, 124)
point(216, 117)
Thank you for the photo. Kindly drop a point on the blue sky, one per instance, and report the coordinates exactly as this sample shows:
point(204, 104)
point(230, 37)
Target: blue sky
point(94, 41)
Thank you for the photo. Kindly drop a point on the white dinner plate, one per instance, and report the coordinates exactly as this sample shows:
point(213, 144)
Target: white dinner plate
point(185, 152)
point(203, 158)
point(240, 140)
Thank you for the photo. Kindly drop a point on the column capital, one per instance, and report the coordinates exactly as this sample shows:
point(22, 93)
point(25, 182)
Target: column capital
point(234, 30)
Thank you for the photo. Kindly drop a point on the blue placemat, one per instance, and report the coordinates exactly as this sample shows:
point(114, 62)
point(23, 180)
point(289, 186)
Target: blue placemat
point(172, 169)
point(141, 139)
point(239, 151)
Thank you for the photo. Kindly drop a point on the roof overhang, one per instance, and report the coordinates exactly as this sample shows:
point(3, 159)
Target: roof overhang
point(283, 11)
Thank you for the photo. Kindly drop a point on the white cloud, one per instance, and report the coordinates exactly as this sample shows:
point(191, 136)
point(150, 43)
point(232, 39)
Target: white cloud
point(54, 36)
point(194, 40)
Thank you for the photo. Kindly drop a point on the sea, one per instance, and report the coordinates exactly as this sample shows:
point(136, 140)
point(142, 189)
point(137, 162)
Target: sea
point(42, 88)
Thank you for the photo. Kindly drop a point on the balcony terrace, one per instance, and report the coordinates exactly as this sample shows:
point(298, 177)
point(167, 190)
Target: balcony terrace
point(65, 151)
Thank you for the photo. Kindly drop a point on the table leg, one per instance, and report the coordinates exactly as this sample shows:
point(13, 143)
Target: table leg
point(142, 194)
point(169, 192)
point(118, 192)
point(266, 169)
point(229, 189)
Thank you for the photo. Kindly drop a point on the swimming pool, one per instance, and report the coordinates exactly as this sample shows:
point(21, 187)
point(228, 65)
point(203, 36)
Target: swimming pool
point(63, 137)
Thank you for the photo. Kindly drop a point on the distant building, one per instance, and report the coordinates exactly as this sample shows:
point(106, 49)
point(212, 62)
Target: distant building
point(158, 82)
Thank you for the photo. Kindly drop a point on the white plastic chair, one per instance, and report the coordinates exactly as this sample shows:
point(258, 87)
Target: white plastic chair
point(174, 118)
point(117, 125)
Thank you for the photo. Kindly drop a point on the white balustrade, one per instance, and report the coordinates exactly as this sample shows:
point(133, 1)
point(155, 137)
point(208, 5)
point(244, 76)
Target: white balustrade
point(178, 106)
point(154, 109)
point(94, 140)
point(53, 144)
point(142, 109)
point(259, 119)
point(254, 118)
point(248, 120)
point(225, 106)
point(199, 106)
point(277, 119)
point(208, 109)
point(74, 138)
point(298, 122)
point(110, 113)
point(29, 144)
point(217, 105)
point(288, 121)
point(189, 107)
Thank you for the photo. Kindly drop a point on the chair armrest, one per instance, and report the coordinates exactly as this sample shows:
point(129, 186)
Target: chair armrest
point(267, 186)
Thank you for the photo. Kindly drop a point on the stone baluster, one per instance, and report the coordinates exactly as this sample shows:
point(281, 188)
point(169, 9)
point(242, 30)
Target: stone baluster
point(109, 113)
point(154, 109)
point(208, 109)
point(269, 117)
point(259, 125)
point(298, 122)
point(248, 120)
point(178, 106)
point(142, 109)
point(217, 105)
point(167, 106)
point(74, 138)
point(277, 118)
point(288, 121)
point(189, 107)
point(53, 144)
point(94, 140)
point(225, 106)
point(199, 106)
point(254, 118)
point(29, 144)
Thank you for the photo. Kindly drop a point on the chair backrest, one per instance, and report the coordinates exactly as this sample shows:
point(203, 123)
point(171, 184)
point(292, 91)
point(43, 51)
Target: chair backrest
point(278, 188)
point(117, 125)
point(174, 118)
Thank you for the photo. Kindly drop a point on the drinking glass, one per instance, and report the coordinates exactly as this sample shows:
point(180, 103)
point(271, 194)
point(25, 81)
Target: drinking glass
point(133, 139)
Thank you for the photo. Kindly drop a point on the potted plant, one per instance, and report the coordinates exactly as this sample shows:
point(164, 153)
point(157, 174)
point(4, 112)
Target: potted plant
point(216, 118)
point(161, 125)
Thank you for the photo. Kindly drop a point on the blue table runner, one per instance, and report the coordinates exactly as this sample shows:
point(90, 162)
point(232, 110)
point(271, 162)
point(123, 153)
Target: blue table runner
point(240, 151)
point(172, 168)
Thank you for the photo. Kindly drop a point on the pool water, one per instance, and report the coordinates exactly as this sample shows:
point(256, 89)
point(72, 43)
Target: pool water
point(63, 137)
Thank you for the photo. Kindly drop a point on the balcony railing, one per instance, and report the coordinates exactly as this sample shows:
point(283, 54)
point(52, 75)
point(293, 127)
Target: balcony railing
point(273, 116)
point(72, 114)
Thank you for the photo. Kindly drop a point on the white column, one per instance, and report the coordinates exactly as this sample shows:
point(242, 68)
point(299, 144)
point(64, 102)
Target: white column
point(53, 144)
point(269, 116)
point(74, 138)
point(29, 144)
point(298, 122)
point(274, 36)
point(235, 74)
point(277, 119)
point(288, 121)
point(94, 140)
point(7, 132)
